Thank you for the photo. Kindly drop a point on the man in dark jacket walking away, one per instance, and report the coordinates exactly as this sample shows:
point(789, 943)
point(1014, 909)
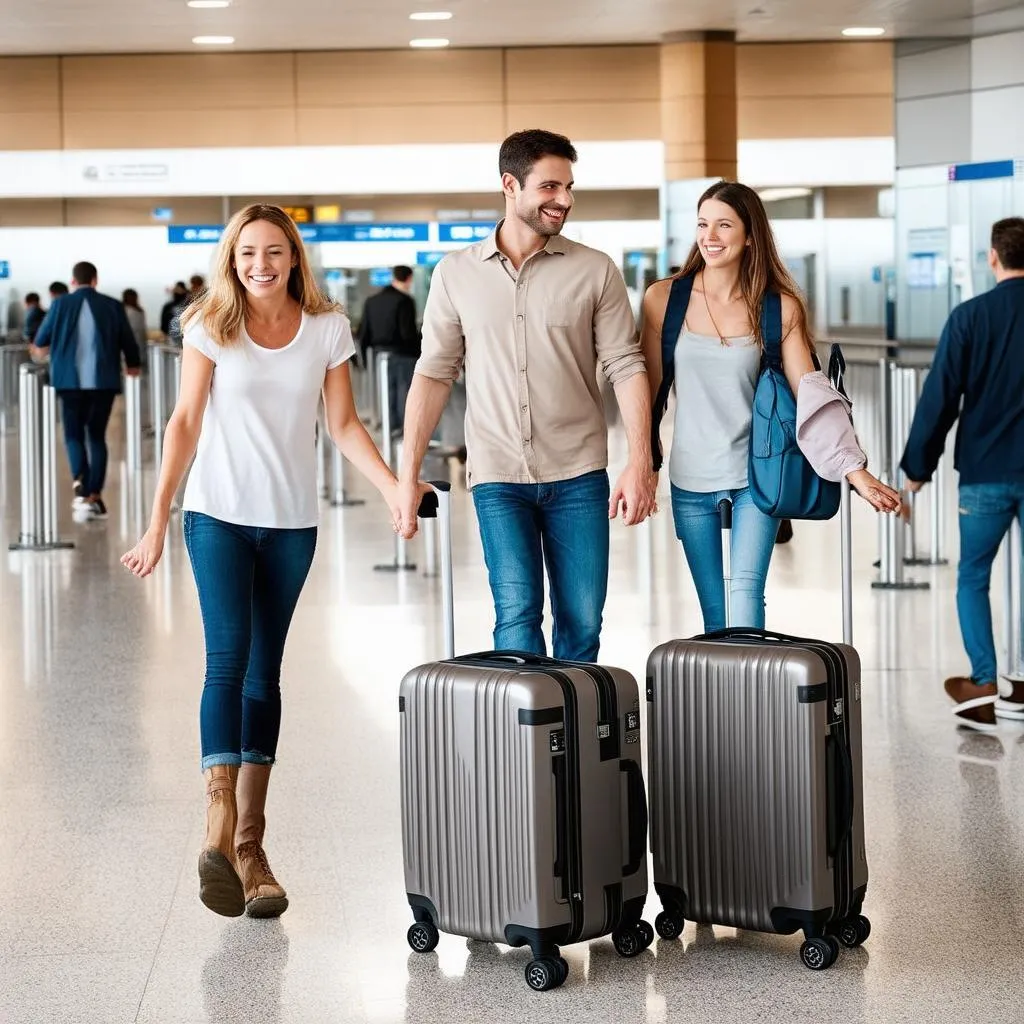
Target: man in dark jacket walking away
point(86, 334)
point(389, 325)
point(978, 376)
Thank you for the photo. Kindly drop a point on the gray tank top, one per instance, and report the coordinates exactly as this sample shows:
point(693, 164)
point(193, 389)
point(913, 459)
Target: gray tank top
point(714, 409)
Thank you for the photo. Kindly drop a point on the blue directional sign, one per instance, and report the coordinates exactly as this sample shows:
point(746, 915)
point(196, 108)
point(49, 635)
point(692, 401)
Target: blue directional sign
point(200, 233)
point(193, 233)
point(983, 171)
point(430, 259)
point(474, 231)
point(5, 269)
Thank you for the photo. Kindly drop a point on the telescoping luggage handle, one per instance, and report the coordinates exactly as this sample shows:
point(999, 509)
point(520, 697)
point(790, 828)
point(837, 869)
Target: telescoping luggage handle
point(846, 544)
point(437, 504)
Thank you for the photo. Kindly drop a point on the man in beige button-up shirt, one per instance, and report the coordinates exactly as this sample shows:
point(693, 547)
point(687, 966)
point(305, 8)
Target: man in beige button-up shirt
point(531, 316)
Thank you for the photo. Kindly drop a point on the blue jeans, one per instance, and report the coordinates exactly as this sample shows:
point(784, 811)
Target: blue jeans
point(986, 513)
point(249, 579)
point(699, 527)
point(565, 526)
point(86, 415)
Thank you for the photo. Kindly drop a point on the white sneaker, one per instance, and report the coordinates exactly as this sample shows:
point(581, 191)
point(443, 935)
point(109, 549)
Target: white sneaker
point(1010, 703)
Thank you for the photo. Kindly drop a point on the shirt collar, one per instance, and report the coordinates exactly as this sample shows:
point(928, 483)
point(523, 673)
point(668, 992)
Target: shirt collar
point(489, 247)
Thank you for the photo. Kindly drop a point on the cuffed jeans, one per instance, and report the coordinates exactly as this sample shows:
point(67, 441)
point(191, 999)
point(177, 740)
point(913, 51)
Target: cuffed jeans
point(563, 525)
point(249, 579)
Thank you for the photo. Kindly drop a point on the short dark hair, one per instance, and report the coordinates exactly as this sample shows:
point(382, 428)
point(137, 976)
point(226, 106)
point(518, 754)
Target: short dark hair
point(401, 273)
point(1008, 242)
point(130, 297)
point(196, 280)
point(84, 273)
point(520, 151)
point(32, 297)
point(58, 288)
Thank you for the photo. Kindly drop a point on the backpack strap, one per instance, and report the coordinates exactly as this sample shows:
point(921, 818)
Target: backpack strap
point(675, 314)
point(771, 331)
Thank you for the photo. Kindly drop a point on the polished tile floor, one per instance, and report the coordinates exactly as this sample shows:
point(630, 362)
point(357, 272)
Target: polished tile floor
point(101, 798)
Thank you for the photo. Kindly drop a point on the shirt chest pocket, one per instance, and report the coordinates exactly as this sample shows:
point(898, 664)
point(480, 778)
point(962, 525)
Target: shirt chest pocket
point(564, 313)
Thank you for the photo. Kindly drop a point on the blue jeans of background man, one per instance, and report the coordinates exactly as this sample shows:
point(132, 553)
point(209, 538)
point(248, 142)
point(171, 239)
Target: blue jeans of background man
point(699, 527)
point(986, 513)
point(249, 579)
point(86, 415)
point(563, 525)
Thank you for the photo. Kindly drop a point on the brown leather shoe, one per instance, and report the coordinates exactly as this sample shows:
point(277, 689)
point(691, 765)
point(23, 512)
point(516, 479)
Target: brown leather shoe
point(220, 888)
point(263, 896)
point(975, 704)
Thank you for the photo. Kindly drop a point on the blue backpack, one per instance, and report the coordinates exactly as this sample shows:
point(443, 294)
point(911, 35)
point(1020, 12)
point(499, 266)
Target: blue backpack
point(782, 482)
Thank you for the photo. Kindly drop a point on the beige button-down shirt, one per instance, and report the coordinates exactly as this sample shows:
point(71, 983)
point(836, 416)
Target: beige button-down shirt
point(530, 343)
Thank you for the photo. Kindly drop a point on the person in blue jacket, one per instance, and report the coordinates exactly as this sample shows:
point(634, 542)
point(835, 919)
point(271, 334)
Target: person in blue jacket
point(978, 377)
point(87, 334)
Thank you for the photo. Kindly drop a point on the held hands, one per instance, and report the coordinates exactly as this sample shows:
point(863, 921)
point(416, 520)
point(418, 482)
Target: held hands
point(636, 492)
point(143, 558)
point(881, 497)
point(403, 499)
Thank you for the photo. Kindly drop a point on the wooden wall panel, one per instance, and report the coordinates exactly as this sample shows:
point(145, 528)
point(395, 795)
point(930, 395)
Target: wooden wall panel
point(815, 117)
point(31, 213)
point(586, 73)
point(595, 122)
point(398, 78)
point(380, 126)
point(30, 103)
point(137, 212)
point(177, 128)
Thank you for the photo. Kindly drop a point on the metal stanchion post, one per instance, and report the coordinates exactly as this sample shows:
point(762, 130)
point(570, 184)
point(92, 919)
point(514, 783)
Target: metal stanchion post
point(1013, 604)
point(908, 377)
point(133, 423)
point(37, 446)
point(157, 395)
point(339, 496)
point(895, 420)
point(938, 515)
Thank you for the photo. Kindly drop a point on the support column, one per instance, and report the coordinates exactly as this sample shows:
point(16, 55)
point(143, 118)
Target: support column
point(698, 128)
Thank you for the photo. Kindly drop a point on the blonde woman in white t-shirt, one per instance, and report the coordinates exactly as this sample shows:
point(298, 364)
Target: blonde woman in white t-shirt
point(259, 350)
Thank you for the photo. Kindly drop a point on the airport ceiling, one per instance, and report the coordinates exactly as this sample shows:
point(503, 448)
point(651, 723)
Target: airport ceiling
point(148, 26)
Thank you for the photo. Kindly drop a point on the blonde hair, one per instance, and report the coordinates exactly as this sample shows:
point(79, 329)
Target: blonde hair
point(221, 309)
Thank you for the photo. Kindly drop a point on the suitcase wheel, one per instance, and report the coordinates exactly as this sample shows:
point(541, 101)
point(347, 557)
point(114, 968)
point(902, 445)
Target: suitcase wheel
point(632, 941)
point(646, 934)
point(546, 972)
point(854, 931)
point(669, 925)
point(820, 953)
point(423, 937)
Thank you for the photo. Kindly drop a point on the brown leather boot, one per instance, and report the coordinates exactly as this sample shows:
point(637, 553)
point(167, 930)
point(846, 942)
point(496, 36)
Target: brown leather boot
point(264, 897)
point(220, 888)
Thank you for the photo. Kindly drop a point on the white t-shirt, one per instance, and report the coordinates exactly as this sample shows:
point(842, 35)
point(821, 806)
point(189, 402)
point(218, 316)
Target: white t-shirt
point(256, 460)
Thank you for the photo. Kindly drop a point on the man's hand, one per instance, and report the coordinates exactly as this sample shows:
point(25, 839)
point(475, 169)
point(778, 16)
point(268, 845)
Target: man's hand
point(132, 371)
point(406, 506)
point(913, 486)
point(635, 491)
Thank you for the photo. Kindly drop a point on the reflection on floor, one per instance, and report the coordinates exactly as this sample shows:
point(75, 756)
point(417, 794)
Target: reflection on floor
point(101, 808)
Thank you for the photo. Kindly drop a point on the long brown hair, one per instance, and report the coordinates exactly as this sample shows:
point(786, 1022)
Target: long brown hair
point(222, 307)
point(762, 269)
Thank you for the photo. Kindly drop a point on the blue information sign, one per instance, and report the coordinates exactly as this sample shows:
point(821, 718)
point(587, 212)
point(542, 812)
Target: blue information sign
point(430, 259)
point(983, 171)
point(5, 269)
point(380, 277)
point(178, 234)
point(200, 233)
point(474, 231)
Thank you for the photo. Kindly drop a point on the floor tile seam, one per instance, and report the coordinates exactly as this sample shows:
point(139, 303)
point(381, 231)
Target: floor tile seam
point(167, 920)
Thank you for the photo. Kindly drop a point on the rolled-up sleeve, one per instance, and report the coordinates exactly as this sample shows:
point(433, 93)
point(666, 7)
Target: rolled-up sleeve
point(824, 429)
point(615, 333)
point(444, 344)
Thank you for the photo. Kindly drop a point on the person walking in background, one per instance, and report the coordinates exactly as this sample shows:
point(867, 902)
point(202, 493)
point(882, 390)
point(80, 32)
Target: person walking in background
point(977, 375)
point(87, 335)
point(389, 325)
point(272, 345)
point(136, 316)
point(34, 314)
point(532, 315)
point(170, 315)
point(57, 289)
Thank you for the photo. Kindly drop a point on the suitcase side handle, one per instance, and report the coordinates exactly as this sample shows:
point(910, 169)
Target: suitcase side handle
point(845, 796)
point(637, 816)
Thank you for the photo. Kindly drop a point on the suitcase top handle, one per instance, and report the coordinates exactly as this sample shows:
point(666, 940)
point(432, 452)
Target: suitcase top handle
point(429, 502)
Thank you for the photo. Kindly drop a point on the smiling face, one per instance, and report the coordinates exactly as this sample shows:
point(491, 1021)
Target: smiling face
point(263, 259)
point(545, 198)
point(721, 236)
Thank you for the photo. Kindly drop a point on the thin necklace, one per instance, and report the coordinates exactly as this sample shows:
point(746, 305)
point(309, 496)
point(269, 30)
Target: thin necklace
point(703, 288)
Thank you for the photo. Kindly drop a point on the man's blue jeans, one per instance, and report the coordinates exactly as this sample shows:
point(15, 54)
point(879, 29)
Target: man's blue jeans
point(249, 579)
point(86, 415)
point(565, 526)
point(699, 527)
point(986, 513)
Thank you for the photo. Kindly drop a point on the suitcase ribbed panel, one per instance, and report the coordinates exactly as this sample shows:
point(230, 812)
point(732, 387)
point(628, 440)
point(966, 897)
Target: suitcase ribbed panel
point(469, 801)
point(732, 787)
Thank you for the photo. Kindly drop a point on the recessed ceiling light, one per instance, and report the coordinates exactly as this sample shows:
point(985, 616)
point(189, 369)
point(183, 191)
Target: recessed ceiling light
point(213, 40)
point(428, 44)
point(209, 4)
point(863, 33)
point(431, 16)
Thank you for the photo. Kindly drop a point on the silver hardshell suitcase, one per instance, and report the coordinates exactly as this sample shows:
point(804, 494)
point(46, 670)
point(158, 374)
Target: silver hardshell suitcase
point(756, 811)
point(524, 815)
